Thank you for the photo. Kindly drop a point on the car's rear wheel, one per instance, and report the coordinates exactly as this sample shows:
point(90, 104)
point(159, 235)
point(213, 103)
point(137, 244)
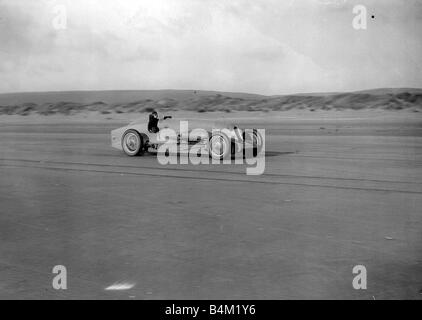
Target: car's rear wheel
point(219, 146)
point(132, 143)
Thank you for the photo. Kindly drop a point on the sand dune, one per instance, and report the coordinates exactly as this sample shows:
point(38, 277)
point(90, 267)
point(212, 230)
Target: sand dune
point(47, 103)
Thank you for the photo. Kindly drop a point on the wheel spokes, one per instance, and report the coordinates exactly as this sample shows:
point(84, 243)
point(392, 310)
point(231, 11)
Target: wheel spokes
point(131, 142)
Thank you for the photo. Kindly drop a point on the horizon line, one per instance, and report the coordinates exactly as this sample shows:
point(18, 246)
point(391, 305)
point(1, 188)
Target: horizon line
point(216, 91)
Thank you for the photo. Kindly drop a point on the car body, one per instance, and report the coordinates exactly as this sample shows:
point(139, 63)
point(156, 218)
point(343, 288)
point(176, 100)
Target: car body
point(220, 138)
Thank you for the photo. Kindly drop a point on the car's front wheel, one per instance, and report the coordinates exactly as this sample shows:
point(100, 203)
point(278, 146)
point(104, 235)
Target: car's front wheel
point(132, 143)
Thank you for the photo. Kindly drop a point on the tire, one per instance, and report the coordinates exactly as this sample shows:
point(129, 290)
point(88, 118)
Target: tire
point(219, 146)
point(132, 143)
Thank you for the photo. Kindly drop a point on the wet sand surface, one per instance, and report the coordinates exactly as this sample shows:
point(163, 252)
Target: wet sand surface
point(336, 193)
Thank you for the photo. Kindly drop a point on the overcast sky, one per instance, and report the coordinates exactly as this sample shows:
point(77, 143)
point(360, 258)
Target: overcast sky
point(268, 46)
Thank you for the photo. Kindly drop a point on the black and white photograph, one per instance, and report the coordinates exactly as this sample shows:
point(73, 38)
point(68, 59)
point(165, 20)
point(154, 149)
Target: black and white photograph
point(210, 150)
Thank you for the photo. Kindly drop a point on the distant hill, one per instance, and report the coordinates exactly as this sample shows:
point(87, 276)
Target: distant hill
point(204, 101)
point(112, 97)
point(391, 91)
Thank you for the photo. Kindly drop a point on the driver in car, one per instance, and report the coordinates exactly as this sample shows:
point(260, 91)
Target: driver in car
point(153, 122)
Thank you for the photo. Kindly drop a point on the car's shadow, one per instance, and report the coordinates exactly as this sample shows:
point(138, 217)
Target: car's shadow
point(278, 153)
